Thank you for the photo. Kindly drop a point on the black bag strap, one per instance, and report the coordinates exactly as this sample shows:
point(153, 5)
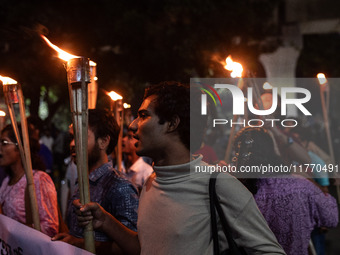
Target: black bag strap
point(214, 204)
point(212, 183)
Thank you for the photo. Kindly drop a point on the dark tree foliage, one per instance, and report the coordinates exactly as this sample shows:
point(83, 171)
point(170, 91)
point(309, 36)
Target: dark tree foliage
point(133, 42)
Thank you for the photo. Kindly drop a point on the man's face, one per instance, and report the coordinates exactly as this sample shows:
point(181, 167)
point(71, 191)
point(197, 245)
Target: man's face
point(149, 133)
point(129, 143)
point(93, 150)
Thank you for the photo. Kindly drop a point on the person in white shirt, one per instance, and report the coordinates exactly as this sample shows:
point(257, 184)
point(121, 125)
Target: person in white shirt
point(138, 171)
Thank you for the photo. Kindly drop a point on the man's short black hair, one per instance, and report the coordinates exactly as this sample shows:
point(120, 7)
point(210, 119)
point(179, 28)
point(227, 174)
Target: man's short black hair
point(103, 124)
point(173, 98)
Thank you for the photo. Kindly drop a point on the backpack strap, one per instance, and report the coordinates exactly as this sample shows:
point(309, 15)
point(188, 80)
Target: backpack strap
point(214, 204)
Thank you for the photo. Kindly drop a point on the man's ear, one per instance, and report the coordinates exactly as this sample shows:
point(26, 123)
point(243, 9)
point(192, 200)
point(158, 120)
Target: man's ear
point(103, 142)
point(173, 124)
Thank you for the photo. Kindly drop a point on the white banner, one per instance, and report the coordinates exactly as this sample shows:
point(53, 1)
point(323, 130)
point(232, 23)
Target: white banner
point(18, 239)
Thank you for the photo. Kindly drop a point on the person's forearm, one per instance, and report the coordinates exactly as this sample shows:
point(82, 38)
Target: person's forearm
point(125, 238)
point(298, 153)
point(294, 150)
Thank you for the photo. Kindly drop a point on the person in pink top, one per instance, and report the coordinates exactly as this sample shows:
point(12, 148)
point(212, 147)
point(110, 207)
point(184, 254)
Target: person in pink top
point(13, 202)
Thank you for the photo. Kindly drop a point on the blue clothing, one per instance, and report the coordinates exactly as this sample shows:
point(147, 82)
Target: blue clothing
point(46, 156)
point(114, 193)
point(320, 175)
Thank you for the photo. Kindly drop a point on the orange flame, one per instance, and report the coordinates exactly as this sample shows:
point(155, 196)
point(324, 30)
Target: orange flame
point(126, 106)
point(2, 114)
point(7, 80)
point(322, 78)
point(61, 54)
point(114, 96)
point(235, 67)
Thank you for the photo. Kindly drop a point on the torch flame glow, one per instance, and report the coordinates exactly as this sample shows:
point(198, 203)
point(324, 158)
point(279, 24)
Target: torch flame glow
point(61, 54)
point(114, 96)
point(267, 85)
point(235, 67)
point(7, 80)
point(126, 106)
point(93, 63)
point(322, 78)
point(2, 114)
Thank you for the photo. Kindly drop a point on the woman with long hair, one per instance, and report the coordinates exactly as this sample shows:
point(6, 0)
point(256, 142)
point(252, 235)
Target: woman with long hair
point(14, 201)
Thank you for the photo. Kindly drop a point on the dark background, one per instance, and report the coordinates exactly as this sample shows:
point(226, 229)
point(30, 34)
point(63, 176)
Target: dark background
point(136, 43)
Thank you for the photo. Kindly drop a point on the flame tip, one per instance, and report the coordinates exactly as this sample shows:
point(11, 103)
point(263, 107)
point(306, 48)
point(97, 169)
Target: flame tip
point(235, 67)
point(322, 78)
point(126, 106)
point(114, 96)
point(61, 53)
point(7, 80)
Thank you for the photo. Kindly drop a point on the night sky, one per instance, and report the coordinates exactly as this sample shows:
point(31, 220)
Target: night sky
point(136, 43)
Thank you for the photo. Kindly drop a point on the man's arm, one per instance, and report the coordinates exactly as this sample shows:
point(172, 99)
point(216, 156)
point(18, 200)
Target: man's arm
point(126, 239)
point(294, 150)
point(318, 151)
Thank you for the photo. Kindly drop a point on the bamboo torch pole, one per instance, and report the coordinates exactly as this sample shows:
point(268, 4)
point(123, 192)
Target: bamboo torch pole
point(93, 86)
point(237, 70)
point(78, 75)
point(78, 79)
point(119, 116)
point(2, 119)
point(324, 87)
point(117, 107)
point(240, 84)
point(13, 94)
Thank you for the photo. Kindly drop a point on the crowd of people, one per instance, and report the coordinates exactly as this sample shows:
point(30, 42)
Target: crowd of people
point(159, 204)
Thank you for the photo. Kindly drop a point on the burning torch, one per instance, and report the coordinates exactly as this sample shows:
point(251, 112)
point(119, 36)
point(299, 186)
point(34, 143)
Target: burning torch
point(324, 87)
point(78, 75)
point(13, 95)
point(93, 86)
point(117, 107)
point(2, 119)
point(236, 71)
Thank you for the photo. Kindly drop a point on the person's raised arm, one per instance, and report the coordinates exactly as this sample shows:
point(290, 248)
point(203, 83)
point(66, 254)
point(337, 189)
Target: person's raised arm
point(295, 151)
point(126, 239)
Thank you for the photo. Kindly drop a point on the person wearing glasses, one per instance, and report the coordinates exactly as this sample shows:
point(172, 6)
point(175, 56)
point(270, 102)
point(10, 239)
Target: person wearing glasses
point(14, 201)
